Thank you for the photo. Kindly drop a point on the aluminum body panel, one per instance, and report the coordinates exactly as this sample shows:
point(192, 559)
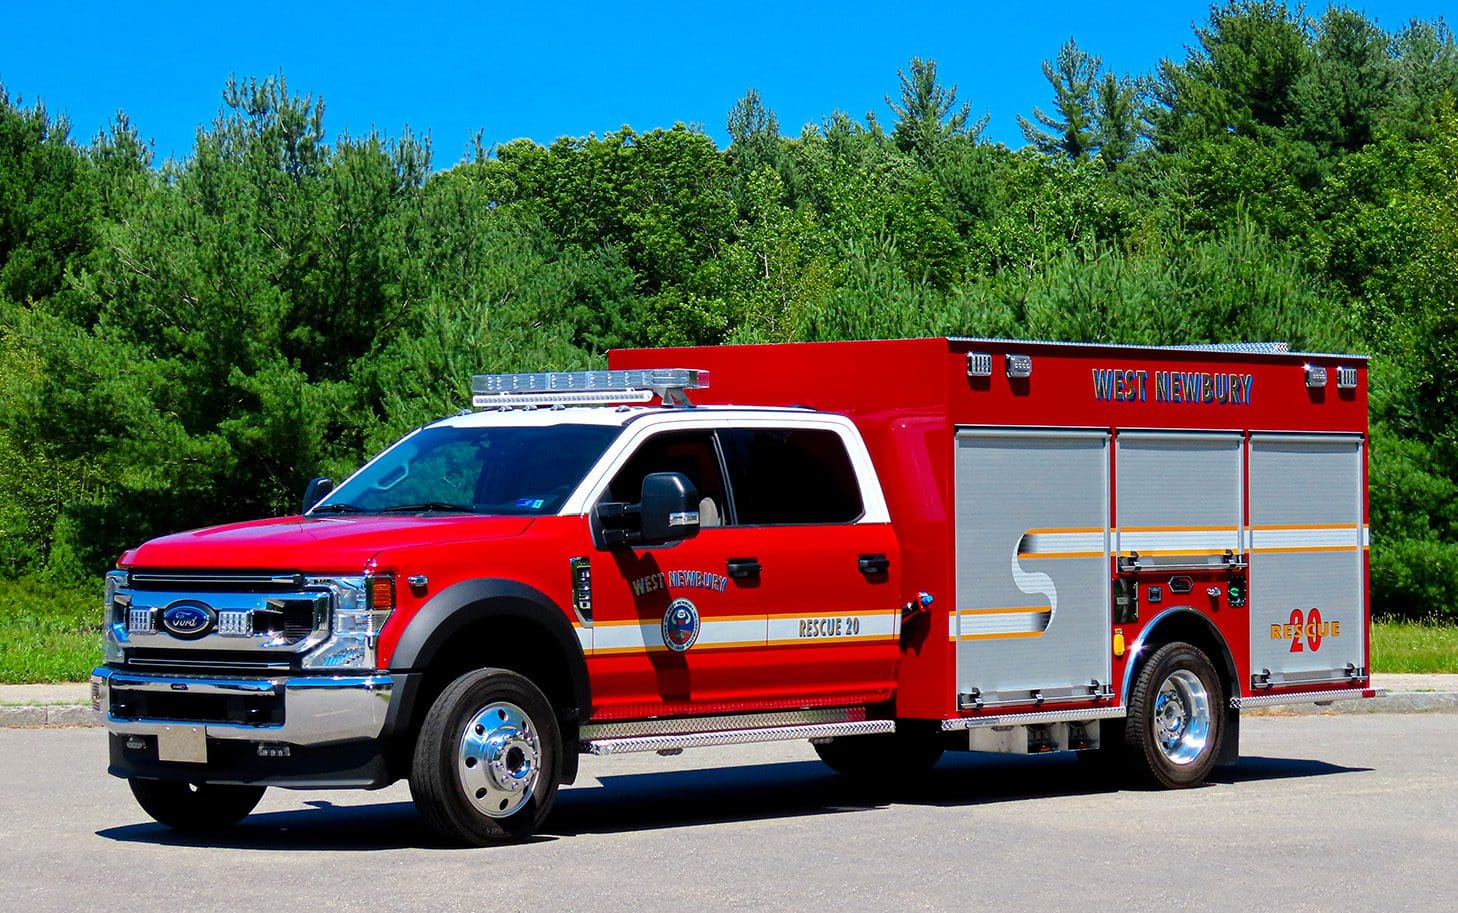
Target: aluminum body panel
point(1032, 559)
point(1307, 564)
point(1180, 497)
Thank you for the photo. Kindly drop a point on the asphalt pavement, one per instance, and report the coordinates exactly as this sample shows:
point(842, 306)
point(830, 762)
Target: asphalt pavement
point(1323, 813)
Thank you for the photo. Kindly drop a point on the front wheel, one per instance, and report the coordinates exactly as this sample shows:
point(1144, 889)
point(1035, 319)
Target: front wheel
point(488, 759)
point(195, 808)
point(1176, 718)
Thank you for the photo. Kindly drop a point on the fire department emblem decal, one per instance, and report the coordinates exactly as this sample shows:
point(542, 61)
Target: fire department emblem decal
point(680, 625)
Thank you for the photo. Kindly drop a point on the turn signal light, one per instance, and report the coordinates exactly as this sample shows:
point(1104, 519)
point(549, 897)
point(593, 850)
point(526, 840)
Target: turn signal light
point(382, 594)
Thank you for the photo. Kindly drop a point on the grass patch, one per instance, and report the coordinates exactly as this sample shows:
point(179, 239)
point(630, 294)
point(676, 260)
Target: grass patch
point(1414, 646)
point(48, 633)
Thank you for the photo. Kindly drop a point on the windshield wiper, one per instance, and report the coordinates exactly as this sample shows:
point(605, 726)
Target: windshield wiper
point(339, 508)
point(443, 506)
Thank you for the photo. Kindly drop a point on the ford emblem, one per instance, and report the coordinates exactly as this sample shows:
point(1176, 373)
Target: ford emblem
point(188, 620)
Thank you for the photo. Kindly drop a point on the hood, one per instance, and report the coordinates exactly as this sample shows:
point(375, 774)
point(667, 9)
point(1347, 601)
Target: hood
point(326, 544)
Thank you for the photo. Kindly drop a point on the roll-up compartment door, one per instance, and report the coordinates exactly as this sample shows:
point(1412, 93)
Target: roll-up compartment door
point(1032, 553)
point(1179, 498)
point(1306, 566)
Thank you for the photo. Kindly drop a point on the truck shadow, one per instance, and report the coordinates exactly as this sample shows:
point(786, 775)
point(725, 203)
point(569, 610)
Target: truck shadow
point(691, 798)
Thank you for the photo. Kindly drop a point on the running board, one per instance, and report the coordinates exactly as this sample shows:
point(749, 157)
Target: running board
point(1304, 697)
point(674, 743)
point(1032, 719)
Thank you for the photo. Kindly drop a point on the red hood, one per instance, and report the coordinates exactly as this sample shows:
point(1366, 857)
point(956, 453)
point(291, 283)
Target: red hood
point(326, 544)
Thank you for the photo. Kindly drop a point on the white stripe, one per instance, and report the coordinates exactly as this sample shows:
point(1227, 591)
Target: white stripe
point(1326, 537)
point(782, 629)
point(1054, 542)
point(1031, 621)
point(1152, 542)
point(787, 629)
point(584, 638)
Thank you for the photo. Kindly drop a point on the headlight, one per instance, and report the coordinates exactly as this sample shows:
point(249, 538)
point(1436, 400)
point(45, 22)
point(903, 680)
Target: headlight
point(361, 607)
point(113, 624)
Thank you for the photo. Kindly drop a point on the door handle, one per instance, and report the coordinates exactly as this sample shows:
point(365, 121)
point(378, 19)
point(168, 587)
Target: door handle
point(744, 568)
point(873, 565)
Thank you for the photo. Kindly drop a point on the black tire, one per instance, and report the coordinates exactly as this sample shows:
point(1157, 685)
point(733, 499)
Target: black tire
point(878, 757)
point(488, 759)
point(1176, 718)
point(195, 808)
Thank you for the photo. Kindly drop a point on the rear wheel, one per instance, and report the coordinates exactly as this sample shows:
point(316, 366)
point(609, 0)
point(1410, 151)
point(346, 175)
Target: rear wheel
point(195, 808)
point(1176, 718)
point(890, 757)
point(488, 759)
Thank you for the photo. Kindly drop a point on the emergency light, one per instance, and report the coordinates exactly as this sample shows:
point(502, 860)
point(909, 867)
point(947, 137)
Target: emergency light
point(564, 388)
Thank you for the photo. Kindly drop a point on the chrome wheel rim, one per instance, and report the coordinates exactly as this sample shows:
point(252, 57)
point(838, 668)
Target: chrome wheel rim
point(498, 759)
point(1182, 717)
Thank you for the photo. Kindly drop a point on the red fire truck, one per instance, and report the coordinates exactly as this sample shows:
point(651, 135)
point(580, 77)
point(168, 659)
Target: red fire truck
point(889, 549)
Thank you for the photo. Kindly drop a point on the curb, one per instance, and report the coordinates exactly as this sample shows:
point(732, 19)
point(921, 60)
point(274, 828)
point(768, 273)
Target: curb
point(73, 716)
point(29, 716)
point(1392, 702)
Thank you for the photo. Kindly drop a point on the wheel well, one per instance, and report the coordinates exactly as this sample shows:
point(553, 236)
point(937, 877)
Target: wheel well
point(1195, 629)
point(509, 642)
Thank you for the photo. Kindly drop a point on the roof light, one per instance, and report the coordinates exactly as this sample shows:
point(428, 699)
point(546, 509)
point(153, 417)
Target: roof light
point(1346, 378)
point(1315, 376)
point(979, 364)
point(550, 388)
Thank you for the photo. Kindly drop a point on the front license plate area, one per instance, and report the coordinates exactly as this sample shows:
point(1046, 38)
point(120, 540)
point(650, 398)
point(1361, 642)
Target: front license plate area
point(187, 744)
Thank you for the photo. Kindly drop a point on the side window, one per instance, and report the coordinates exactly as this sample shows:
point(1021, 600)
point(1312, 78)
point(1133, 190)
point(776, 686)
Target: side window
point(691, 453)
point(790, 476)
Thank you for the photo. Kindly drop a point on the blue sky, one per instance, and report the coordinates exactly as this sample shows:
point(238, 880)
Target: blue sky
point(566, 68)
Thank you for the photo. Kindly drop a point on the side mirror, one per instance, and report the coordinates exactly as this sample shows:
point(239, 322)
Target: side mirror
point(669, 508)
point(315, 491)
point(667, 511)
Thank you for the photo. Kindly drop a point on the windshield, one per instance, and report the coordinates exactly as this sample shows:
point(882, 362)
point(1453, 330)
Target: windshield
point(494, 470)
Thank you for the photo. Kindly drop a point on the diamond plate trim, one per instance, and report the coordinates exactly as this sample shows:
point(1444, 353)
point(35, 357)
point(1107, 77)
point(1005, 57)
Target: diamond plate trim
point(1304, 697)
point(1033, 719)
point(735, 737)
point(690, 725)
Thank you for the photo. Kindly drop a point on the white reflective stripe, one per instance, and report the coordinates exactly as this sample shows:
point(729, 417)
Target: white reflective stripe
point(1055, 543)
point(614, 638)
point(809, 629)
point(1179, 541)
point(973, 622)
point(1330, 538)
point(730, 632)
point(737, 632)
point(584, 638)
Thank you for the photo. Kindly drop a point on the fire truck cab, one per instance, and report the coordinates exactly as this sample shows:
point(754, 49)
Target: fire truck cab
point(888, 548)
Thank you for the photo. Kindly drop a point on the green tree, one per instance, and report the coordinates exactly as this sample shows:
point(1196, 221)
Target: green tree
point(1071, 130)
point(1240, 78)
point(927, 115)
point(1341, 99)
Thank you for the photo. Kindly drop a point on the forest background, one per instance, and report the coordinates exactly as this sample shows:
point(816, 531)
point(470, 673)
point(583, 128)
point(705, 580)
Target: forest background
point(187, 342)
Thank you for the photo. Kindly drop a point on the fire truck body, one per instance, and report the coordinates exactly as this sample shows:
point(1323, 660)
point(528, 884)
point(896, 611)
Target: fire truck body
point(913, 545)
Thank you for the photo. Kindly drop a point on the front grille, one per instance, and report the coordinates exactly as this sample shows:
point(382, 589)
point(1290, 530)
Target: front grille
point(242, 709)
point(256, 620)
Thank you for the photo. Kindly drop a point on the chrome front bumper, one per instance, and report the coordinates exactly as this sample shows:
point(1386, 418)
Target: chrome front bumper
point(317, 710)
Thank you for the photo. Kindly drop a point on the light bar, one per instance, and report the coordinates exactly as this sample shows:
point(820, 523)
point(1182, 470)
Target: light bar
point(551, 388)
